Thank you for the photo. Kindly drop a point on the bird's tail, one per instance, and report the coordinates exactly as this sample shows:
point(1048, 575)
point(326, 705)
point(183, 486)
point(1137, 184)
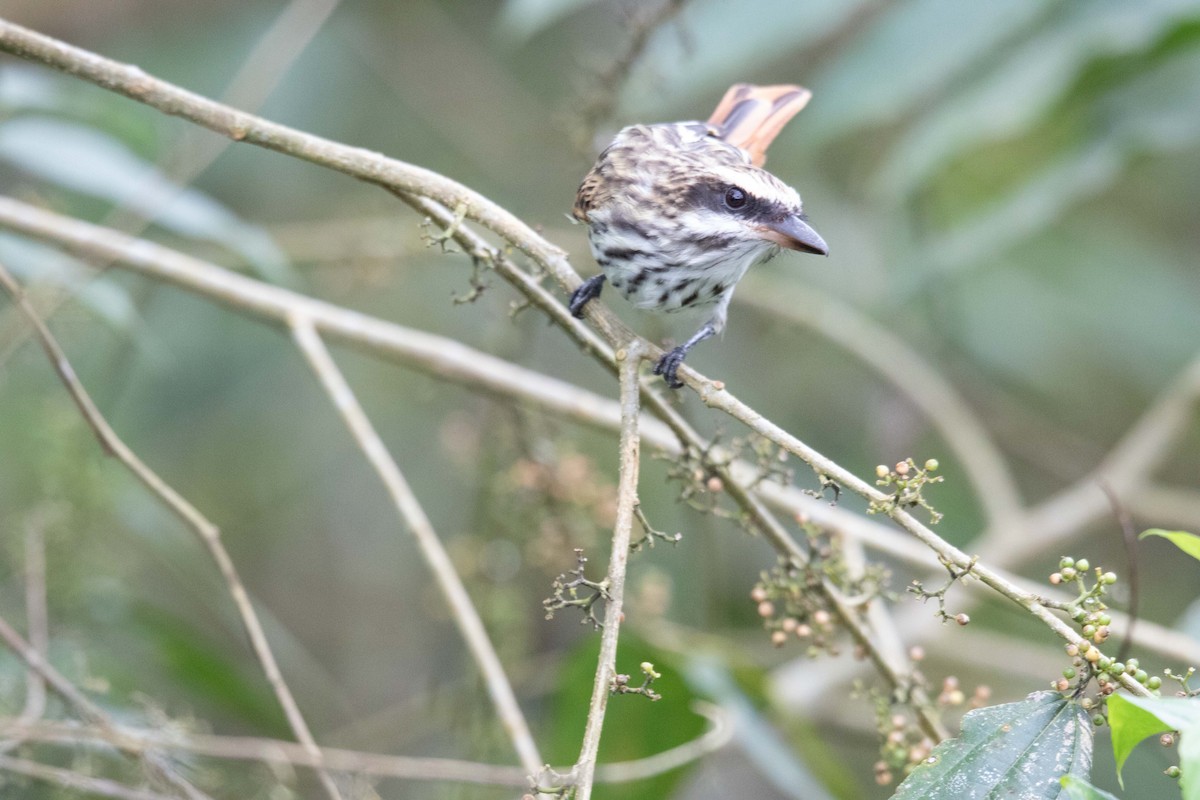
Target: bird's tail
point(750, 117)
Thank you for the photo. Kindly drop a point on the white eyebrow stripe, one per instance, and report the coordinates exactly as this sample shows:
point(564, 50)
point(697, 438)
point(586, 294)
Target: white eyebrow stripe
point(759, 184)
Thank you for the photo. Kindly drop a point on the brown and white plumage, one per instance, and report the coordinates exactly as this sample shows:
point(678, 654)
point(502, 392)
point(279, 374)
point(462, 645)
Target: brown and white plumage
point(677, 212)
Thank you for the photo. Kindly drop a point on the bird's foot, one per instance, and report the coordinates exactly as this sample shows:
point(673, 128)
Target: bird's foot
point(668, 364)
point(588, 290)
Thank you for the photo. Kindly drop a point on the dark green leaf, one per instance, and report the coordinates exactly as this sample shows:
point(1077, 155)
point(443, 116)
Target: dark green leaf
point(1013, 750)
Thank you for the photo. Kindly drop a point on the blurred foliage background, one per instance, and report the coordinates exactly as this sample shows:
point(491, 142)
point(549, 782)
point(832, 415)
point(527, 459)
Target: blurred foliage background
point(1011, 188)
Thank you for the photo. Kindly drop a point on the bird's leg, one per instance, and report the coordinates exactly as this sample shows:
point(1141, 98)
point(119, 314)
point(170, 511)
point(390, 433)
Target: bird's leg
point(669, 363)
point(588, 290)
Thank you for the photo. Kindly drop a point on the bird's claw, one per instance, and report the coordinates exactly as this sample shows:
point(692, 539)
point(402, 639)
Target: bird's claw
point(667, 366)
point(588, 290)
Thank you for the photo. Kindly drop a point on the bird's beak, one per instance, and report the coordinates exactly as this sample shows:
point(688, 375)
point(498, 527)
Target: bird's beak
point(795, 234)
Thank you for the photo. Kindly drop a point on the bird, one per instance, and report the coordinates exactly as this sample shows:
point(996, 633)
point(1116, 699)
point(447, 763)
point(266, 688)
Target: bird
point(678, 212)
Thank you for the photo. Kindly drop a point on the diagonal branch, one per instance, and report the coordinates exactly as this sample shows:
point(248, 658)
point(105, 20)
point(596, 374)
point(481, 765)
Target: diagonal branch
point(206, 531)
point(466, 617)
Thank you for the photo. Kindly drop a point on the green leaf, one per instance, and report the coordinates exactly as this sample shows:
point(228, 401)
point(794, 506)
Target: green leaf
point(1013, 750)
point(1187, 542)
point(1079, 789)
point(1132, 719)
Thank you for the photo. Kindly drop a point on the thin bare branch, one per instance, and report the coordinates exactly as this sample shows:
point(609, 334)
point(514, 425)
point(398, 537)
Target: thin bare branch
point(207, 532)
point(274, 751)
point(69, 779)
point(155, 763)
point(627, 487)
point(466, 617)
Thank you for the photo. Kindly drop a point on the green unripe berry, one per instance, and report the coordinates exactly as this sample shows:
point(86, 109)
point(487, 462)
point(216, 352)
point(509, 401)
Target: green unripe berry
point(1089, 631)
point(1068, 573)
point(1141, 676)
point(1065, 562)
point(1132, 664)
point(931, 465)
point(1098, 720)
point(1109, 578)
point(1116, 668)
point(1079, 615)
point(1154, 682)
point(1172, 772)
point(1069, 673)
point(1083, 565)
point(1104, 619)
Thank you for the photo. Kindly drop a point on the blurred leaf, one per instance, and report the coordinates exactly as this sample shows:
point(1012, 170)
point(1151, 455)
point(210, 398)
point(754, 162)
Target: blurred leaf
point(1037, 315)
point(25, 88)
point(1013, 750)
point(634, 727)
point(759, 739)
point(695, 69)
point(85, 160)
point(521, 20)
point(1079, 789)
point(1187, 542)
point(1155, 114)
point(888, 77)
point(37, 263)
point(1134, 718)
point(1033, 77)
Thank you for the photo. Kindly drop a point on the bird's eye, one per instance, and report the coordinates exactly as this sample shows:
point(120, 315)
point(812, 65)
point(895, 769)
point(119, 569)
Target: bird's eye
point(736, 198)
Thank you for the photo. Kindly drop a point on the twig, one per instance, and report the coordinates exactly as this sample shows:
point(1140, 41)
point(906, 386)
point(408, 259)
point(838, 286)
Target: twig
point(69, 779)
point(247, 748)
point(462, 609)
point(156, 765)
point(627, 486)
point(207, 532)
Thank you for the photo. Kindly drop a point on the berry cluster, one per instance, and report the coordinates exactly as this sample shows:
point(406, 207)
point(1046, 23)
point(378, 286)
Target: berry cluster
point(909, 481)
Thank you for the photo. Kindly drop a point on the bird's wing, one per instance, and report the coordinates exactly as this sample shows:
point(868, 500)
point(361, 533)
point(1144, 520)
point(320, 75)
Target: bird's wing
point(750, 117)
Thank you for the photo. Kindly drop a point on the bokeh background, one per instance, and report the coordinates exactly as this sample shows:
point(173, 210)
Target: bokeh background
point(1010, 191)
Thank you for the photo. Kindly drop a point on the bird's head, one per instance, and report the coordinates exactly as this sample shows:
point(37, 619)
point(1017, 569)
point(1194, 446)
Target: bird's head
point(683, 184)
point(741, 200)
